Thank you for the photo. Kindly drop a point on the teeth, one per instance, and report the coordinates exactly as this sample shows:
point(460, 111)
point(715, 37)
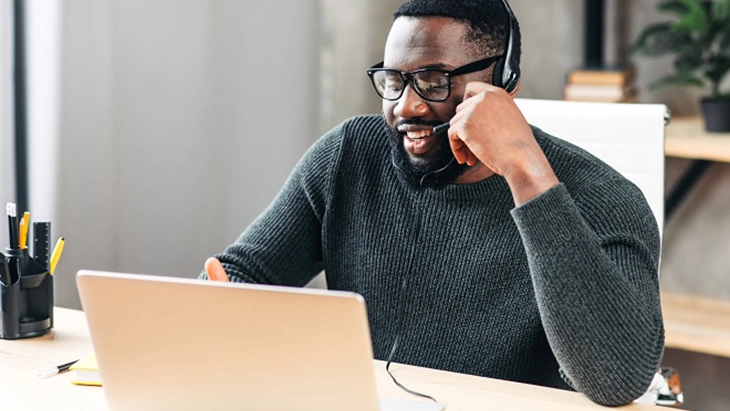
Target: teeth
point(415, 135)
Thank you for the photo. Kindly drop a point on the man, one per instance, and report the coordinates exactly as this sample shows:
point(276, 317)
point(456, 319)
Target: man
point(493, 249)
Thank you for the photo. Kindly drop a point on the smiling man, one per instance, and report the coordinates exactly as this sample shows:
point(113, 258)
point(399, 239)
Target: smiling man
point(491, 248)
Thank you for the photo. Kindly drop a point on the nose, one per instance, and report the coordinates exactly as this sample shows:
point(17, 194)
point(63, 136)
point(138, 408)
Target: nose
point(410, 104)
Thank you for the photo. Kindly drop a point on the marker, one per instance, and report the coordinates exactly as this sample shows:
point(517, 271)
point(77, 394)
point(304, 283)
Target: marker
point(12, 225)
point(56, 370)
point(57, 251)
point(441, 128)
point(24, 222)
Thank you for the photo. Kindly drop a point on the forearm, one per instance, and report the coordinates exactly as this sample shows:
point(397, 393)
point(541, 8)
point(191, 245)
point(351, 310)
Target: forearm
point(598, 297)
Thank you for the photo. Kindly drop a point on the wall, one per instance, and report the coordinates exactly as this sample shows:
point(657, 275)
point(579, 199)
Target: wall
point(175, 128)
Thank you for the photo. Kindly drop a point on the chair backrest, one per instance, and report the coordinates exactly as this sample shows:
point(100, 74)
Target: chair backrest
point(628, 137)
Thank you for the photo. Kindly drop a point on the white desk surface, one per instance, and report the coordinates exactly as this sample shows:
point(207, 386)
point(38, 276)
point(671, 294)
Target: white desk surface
point(21, 389)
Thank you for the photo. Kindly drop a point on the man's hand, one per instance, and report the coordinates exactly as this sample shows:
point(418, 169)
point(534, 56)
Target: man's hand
point(215, 270)
point(489, 128)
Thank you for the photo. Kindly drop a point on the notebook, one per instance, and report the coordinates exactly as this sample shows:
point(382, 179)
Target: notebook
point(86, 371)
point(177, 344)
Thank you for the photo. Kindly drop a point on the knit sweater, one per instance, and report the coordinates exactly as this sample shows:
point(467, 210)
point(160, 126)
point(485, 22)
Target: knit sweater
point(561, 291)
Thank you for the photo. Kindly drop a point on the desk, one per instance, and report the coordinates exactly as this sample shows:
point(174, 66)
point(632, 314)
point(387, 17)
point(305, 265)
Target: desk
point(21, 360)
point(686, 138)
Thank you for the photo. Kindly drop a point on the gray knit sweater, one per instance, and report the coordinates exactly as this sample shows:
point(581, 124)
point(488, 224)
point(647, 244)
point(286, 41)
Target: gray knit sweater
point(561, 291)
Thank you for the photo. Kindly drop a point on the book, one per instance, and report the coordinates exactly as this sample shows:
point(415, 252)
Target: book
point(599, 92)
point(621, 77)
point(86, 371)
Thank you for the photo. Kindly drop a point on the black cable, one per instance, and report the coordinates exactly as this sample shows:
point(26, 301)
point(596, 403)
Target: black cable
point(404, 285)
point(401, 386)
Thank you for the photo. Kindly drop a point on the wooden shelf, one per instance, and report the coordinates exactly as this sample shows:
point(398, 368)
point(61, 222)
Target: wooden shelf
point(696, 324)
point(686, 138)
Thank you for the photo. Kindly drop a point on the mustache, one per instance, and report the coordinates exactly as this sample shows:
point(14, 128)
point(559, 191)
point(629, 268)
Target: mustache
point(417, 122)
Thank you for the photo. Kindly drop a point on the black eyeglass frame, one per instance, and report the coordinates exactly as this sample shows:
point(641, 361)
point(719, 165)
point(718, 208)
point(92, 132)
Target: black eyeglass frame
point(407, 76)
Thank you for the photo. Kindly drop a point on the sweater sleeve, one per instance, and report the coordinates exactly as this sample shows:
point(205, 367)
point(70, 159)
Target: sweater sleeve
point(283, 246)
point(594, 265)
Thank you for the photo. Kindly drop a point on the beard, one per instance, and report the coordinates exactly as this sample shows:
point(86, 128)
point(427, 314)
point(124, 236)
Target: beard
point(436, 171)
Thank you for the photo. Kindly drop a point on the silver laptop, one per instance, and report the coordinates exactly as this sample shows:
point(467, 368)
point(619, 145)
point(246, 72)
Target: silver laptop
point(178, 344)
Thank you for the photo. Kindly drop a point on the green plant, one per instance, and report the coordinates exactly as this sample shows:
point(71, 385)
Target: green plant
point(699, 37)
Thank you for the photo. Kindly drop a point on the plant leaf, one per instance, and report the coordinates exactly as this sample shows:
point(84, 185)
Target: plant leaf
point(695, 20)
point(688, 60)
point(658, 39)
point(682, 79)
point(675, 7)
point(724, 39)
point(716, 68)
point(721, 11)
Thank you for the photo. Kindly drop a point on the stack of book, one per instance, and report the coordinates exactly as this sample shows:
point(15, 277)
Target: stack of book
point(603, 85)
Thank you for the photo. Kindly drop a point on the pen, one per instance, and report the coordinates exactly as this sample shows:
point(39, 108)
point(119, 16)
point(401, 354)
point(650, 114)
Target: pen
point(12, 225)
point(24, 222)
point(56, 370)
point(441, 128)
point(56, 255)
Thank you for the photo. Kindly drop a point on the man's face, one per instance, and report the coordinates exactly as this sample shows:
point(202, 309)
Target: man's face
point(428, 42)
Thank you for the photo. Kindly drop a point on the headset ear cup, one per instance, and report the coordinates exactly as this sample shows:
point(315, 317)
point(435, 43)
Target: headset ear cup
point(497, 73)
point(514, 76)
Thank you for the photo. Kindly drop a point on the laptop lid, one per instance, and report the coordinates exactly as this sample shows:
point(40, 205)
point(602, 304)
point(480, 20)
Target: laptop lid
point(178, 344)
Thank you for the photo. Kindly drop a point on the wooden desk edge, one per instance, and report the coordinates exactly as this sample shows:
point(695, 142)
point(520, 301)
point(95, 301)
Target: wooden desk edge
point(686, 138)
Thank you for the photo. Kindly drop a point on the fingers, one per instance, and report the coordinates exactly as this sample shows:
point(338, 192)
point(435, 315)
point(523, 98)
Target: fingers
point(471, 159)
point(461, 151)
point(475, 87)
point(474, 122)
point(215, 270)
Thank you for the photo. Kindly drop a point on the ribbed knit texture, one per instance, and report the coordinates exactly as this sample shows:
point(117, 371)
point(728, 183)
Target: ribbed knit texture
point(561, 289)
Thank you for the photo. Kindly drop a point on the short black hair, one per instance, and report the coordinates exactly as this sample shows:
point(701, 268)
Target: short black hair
point(487, 20)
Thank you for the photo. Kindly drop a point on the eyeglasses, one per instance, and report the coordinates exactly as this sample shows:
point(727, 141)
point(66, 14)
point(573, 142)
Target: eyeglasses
point(431, 84)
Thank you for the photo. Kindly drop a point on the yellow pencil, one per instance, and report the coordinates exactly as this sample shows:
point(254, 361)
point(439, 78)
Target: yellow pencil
point(24, 222)
point(56, 255)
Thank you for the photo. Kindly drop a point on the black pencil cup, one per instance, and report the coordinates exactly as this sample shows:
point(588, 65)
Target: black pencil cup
point(26, 304)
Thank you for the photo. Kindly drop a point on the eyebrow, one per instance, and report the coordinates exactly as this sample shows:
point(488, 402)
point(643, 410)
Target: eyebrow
point(436, 66)
point(439, 66)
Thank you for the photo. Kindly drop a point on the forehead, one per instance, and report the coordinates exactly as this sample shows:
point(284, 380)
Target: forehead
point(415, 42)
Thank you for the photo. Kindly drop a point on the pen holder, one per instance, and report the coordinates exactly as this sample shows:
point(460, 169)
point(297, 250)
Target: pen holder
point(26, 305)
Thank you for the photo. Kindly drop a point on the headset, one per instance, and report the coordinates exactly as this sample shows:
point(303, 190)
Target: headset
point(506, 72)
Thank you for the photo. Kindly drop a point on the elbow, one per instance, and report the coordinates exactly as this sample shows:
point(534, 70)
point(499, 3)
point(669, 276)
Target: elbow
point(614, 389)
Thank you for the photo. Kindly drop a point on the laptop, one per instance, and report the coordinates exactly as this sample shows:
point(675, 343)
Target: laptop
point(179, 344)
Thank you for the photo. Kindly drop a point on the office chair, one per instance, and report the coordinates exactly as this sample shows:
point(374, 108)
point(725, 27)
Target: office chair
point(629, 138)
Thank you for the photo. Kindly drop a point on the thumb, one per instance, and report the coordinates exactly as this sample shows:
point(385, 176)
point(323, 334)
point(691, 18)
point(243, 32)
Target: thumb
point(215, 270)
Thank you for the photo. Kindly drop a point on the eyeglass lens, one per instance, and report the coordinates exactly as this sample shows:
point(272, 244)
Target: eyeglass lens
point(429, 84)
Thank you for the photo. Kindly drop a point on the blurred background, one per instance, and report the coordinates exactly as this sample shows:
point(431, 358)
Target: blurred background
point(159, 129)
